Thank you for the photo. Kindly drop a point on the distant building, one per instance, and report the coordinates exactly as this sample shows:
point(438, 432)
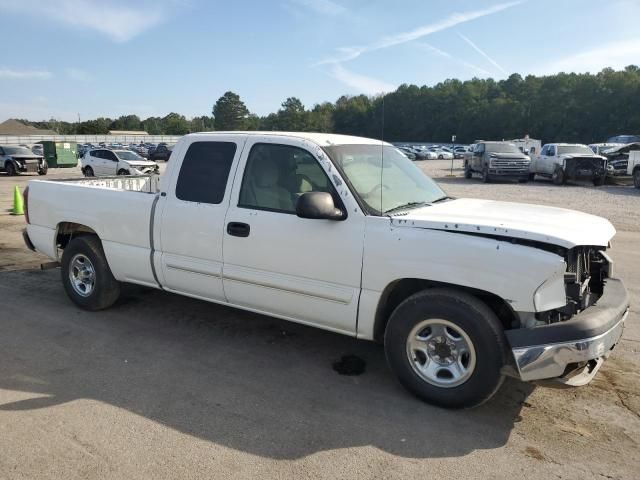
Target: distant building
point(127, 132)
point(16, 128)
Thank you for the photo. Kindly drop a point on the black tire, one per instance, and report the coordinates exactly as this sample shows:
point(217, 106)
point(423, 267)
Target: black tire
point(10, 168)
point(469, 314)
point(532, 177)
point(558, 177)
point(467, 171)
point(485, 175)
point(43, 170)
point(636, 177)
point(105, 290)
point(122, 171)
point(440, 157)
point(523, 180)
point(598, 181)
point(88, 172)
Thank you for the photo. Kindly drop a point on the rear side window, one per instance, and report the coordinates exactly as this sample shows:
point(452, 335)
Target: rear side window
point(204, 172)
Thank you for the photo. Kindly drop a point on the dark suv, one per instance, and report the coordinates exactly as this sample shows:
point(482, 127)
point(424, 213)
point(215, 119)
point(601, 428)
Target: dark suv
point(161, 152)
point(494, 160)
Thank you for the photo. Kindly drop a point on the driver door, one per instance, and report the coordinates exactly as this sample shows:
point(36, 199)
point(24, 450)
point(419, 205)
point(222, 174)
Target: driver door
point(278, 263)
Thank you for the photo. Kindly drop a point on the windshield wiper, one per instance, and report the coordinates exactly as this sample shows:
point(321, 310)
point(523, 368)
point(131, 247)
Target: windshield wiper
point(405, 206)
point(441, 199)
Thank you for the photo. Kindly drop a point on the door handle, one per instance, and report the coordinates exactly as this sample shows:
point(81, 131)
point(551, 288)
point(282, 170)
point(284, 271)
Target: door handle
point(238, 229)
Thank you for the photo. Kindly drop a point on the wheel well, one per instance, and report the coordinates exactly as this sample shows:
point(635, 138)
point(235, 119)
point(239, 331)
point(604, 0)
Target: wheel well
point(396, 292)
point(68, 230)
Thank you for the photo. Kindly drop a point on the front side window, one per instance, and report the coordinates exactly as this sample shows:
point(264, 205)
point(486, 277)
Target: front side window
point(383, 179)
point(276, 175)
point(552, 151)
point(205, 171)
point(128, 155)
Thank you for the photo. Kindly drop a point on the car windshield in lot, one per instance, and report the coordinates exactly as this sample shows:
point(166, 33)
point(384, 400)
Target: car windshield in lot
point(502, 148)
point(580, 149)
point(383, 178)
point(128, 155)
point(17, 151)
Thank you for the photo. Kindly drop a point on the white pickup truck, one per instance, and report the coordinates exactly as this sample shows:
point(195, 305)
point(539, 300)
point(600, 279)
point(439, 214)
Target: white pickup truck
point(347, 234)
point(562, 161)
point(633, 167)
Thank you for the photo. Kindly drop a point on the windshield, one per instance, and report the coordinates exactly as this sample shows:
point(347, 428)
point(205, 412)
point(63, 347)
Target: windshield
point(502, 148)
point(580, 149)
point(17, 151)
point(384, 185)
point(126, 155)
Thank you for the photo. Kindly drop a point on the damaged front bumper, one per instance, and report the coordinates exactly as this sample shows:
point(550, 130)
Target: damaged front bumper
point(572, 351)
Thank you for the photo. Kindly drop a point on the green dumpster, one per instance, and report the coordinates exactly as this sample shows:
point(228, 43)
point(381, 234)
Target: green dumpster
point(60, 154)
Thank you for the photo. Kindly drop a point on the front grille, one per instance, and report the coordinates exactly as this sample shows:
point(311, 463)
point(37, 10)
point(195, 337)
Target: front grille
point(509, 163)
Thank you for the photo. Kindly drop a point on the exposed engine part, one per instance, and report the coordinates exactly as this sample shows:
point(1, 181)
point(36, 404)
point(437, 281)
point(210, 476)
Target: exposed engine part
point(587, 269)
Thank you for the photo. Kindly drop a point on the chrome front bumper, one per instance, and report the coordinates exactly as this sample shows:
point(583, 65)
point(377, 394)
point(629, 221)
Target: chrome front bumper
point(551, 361)
point(572, 351)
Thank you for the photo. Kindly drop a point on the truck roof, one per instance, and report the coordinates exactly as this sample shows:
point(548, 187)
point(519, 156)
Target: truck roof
point(567, 144)
point(322, 139)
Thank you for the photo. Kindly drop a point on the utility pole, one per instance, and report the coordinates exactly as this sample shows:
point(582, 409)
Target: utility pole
point(453, 155)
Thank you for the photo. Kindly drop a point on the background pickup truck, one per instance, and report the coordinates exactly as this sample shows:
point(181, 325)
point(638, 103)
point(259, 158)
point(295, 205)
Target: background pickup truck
point(562, 161)
point(496, 160)
point(633, 167)
point(347, 234)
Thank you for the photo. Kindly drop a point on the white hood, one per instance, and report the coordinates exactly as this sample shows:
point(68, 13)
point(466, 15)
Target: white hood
point(140, 163)
point(557, 226)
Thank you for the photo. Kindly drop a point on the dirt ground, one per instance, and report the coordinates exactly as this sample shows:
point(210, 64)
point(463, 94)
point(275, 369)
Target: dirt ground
point(163, 386)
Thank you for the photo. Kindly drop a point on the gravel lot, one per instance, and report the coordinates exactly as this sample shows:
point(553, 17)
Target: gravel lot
point(163, 386)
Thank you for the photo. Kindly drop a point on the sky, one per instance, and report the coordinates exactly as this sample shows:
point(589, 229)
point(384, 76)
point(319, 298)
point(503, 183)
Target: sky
point(70, 59)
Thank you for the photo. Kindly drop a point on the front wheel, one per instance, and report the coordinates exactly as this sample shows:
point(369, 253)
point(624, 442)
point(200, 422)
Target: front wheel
point(447, 348)
point(86, 275)
point(43, 170)
point(485, 175)
point(636, 178)
point(122, 171)
point(558, 177)
point(88, 172)
point(467, 171)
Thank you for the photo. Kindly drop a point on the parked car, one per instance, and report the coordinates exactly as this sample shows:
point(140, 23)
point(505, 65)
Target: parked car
point(16, 160)
point(494, 160)
point(562, 161)
point(161, 152)
point(618, 158)
point(443, 154)
point(633, 167)
point(458, 152)
point(624, 139)
point(105, 162)
point(407, 153)
point(318, 229)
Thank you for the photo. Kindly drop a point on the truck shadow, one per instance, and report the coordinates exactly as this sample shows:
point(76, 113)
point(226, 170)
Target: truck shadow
point(245, 381)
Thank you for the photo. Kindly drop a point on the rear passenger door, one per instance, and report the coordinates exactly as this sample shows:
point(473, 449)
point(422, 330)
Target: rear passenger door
point(192, 214)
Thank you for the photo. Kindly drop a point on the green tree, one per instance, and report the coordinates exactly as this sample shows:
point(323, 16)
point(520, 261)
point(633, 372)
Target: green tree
point(230, 113)
point(175, 124)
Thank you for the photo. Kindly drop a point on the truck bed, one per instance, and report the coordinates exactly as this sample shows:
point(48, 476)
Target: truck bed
point(143, 184)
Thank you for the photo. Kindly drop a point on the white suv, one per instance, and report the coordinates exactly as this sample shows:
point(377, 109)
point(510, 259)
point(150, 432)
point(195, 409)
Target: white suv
point(104, 162)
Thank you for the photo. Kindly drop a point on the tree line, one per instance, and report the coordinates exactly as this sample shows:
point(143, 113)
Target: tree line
point(566, 107)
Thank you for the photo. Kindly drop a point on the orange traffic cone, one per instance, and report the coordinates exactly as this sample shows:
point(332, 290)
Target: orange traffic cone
point(18, 203)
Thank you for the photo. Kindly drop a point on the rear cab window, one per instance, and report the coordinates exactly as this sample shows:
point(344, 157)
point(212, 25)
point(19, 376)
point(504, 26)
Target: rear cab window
point(205, 171)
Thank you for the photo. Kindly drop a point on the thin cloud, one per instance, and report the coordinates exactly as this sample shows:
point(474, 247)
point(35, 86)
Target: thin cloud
point(616, 55)
point(14, 74)
point(417, 33)
point(120, 22)
point(360, 83)
point(78, 74)
point(483, 53)
point(323, 7)
point(459, 61)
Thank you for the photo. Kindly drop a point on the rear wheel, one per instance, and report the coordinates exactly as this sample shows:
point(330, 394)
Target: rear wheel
point(10, 168)
point(558, 177)
point(88, 172)
point(598, 181)
point(636, 177)
point(86, 275)
point(446, 347)
point(43, 170)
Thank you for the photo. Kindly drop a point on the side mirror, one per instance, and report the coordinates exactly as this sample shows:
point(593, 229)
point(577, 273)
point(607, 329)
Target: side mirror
point(318, 206)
